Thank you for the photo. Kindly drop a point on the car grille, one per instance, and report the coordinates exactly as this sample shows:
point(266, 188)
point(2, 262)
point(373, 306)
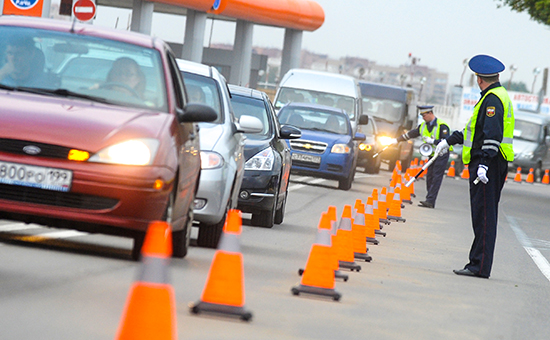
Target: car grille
point(46, 150)
point(305, 164)
point(55, 198)
point(308, 146)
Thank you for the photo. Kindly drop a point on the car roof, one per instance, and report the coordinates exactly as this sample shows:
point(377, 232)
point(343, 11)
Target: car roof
point(245, 91)
point(532, 117)
point(320, 81)
point(195, 68)
point(82, 29)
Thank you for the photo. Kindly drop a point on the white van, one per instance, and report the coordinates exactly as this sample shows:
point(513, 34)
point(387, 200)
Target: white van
point(324, 88)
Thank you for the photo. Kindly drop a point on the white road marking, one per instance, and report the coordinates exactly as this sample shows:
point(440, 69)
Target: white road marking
point(535, 254)
point(308, 180)
point(53, 235)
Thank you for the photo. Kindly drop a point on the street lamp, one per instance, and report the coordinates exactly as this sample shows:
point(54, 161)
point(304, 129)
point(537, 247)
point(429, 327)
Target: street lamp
point(422, 81)
point(513, 68)
point(536, 72)
point(465, 63)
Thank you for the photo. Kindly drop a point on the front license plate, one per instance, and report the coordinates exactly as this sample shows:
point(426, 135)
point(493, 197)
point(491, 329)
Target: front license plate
point(35, 176)
point(306, 158)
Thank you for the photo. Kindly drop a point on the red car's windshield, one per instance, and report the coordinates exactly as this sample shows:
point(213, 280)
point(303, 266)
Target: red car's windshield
point(77, 65)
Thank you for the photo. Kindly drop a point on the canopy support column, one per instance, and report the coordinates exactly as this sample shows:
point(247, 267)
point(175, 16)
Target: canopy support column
point(242, 54)
point(142, 16)
point(292, 47)
point(195, 28)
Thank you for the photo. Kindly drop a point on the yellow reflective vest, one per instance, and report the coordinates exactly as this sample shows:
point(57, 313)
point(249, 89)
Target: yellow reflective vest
point(434, 134)
point(505, 146)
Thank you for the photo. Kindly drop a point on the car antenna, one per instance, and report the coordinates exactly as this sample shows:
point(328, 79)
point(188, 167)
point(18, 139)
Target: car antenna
point(72, 26)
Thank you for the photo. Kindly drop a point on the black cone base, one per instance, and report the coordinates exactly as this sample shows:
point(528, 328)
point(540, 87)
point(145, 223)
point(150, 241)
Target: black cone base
point(317, 291)
point(201, 306)
point(363, 256)
point(349, 265)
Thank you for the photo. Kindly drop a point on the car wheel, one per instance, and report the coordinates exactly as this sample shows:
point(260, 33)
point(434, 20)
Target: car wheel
point(264, 219)
point(210, 234)
point(138, 244)
point(345, 183)
point(538, 173)
point(280, 213)
point(182, 238)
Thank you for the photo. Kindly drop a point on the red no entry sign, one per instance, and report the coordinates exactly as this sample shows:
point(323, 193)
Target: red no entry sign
point(84, 10)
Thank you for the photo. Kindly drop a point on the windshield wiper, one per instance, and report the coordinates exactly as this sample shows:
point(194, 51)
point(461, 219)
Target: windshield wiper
point(62, 93)
point(6, 87)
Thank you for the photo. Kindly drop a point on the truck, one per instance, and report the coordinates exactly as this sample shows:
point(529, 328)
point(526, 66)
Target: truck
point(394, 111)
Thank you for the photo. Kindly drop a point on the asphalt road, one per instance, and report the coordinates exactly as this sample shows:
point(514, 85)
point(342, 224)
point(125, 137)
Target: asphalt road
point(58, 284)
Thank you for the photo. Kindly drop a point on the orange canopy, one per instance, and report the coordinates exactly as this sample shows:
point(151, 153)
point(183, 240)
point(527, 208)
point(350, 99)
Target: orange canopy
point(303, 15)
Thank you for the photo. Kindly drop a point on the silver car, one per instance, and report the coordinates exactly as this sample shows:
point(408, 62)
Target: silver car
point(221, 145)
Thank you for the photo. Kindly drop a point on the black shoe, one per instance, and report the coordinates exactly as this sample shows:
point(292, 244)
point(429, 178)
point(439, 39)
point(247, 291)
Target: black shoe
point(425, 204)
point(467, 272)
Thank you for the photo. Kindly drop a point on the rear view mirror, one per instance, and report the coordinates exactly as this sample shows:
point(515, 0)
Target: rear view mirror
point(196, 113)
point(249, 124)
point(359, 136)
point(290, 132)
point(363, 120)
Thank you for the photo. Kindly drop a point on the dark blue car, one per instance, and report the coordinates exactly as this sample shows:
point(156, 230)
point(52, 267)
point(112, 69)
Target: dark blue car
point(328, 147)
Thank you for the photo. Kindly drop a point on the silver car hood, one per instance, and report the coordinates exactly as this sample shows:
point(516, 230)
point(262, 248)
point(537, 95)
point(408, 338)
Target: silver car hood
point(210, 134)
point(523, 146)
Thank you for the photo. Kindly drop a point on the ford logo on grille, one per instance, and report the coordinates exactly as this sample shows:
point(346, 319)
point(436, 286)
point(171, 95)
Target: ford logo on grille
point(32, 150)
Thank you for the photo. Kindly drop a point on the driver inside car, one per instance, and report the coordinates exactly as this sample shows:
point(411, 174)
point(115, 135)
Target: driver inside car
point(127, 77)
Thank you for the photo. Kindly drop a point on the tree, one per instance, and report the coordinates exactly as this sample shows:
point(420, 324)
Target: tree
point(517, 87)
point(539, 10)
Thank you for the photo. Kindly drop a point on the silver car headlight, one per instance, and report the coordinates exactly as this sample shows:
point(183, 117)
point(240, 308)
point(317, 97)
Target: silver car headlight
point(263, 161)
point(340, 148)
point(131, 152)
point(211, 160)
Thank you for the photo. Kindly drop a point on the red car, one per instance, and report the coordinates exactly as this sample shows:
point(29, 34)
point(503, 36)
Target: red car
point(95, 133)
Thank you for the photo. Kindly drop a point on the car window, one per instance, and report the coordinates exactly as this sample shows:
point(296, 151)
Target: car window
point(60, 63)
point(290, 95)
point(526, 130)
point(315, 119)
point(386, 109)
point(203, 90)
point(252, 107)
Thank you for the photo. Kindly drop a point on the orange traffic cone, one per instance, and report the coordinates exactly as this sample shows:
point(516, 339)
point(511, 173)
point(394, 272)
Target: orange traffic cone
point(383, 205)
point(371, 222)
point(318, 276)
point(546, 177)
point(465, 172)
point(406, 191)
point(359, 233)
point(395, 207)
point(327, 222)
point(344, 242)
point(224, 289)
point(451, 172)
point(150, 311)
point(517, 178)
point(530, 177)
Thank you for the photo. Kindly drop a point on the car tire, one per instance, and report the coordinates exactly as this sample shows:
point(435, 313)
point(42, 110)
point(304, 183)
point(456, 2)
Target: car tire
point(139, 238)
point(182, 238)
point(345, 183)
point(209, 235)
point(280, 213)
point(265, 218)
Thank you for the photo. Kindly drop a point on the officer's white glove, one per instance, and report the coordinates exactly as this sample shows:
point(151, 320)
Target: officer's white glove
point(393, 141)
point(442, 147)
point(429, 140)
point(482, 173)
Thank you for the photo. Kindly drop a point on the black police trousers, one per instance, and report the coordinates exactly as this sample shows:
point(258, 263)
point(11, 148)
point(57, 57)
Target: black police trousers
point(434, 177)
point(484, 200)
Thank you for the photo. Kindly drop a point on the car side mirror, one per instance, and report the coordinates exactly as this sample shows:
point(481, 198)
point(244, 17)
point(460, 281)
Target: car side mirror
point(360, 136)
point(194, 112)
point(249, 124)
point(363, 120)
point(290, 132)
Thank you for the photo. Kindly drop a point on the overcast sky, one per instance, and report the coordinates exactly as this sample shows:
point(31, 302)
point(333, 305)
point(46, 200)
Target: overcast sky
point(442, 33)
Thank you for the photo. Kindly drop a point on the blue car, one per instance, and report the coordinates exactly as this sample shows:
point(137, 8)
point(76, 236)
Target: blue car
point(328, 148)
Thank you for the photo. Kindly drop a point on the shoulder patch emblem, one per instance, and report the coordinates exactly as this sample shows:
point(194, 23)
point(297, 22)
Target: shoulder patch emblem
point(490, 111)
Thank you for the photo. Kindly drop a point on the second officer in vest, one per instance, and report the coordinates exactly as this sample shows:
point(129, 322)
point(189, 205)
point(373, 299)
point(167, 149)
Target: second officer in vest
point(487, 140)
point(432, 130)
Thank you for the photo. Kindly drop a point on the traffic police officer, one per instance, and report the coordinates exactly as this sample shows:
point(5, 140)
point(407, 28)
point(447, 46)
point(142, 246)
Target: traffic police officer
point(487, 140)
point(432, 130)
